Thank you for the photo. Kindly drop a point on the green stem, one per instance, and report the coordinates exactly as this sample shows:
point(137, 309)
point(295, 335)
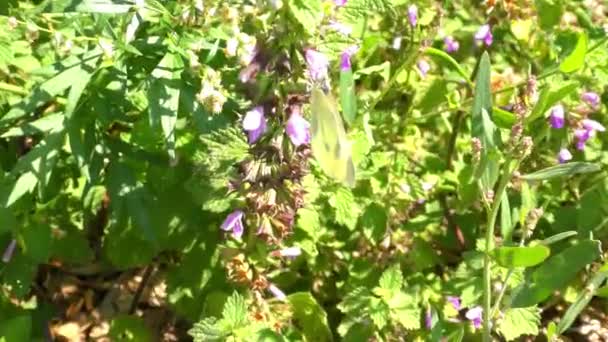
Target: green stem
point(487, 272)
point(12, 88)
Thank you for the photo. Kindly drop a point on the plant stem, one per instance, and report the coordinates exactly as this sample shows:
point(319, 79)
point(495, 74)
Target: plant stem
point(487, 273)
point(12, 88)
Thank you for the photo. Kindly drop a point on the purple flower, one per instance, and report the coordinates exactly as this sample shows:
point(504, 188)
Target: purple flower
point(8, 252)
point(290, 252)
point(455, 301)
point(582, 135)
point(298, 129)
point(484, 34)
point(277, 293)
point(423, 67)
point(234, 223)
point(412, 15)
point(317, 64)
point(345, 59)
point(592, 125)
point(340, 3)
point(428, 319)
point(591, 98)
point(556, 118)
point(564, 155)
point(475, 316)
point(341, 28)
point(254, 123)
point(451, 45)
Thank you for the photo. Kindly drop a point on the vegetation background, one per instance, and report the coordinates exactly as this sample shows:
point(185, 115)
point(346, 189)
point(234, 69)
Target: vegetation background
point(157, 181)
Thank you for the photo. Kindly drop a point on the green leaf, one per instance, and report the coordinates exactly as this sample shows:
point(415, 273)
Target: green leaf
point(311, 317)
point(65, 72)
point(53, 122)
point(503, 118)
point(37, 242)
point(345, 207)
point(548, 97)
point(374, 222)
point(16, 329)
point(544, 279)
point(408, 317)
point(348, 98)
point(391, 279)
point(482, 126)
point(583, 299)
point(558, 237)
point(235, 311)
point(163, 97)
point(206, 330)
point(549, 13)
point(521, 256)
point(441, 55)
point(519, 321)
point(576, 58)
point(306, 13)
point(129, 328)
point(562, 170)
point(308, 220)
point(25, 184)
point(506, 224)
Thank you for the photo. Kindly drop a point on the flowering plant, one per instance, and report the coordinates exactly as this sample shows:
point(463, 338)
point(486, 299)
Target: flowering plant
point(158, 179)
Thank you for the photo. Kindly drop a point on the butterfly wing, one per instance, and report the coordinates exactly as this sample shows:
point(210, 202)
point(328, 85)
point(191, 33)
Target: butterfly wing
point(329, 144)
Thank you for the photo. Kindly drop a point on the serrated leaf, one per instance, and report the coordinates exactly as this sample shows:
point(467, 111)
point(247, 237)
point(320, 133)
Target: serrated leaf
point(235, 311)
point(519, 321)
point(206, 330)
point(308, 220)
point(544, 279)
point(391, 279)
point(346, 210)
point(408, 317)
point(311, 316)
point(374, 222)
point(562, 170)
point(511, 257)
point(306, 12)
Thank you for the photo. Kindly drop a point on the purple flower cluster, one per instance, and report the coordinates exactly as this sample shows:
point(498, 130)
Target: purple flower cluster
point(587, 129)
point(254, 123)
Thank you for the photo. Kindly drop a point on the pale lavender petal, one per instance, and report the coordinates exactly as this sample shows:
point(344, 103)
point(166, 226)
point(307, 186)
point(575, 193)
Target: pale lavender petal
point(564, 155)
point(254, 135)
point(290, 252)
point(298, 129)
point(340, 2)
point(451, 45)
point(340, 28)
point(412, 15)
point(277, 293)
point(475, 316)
point(557, 117)
point(317, 64)
point(234, 223)
point(428, 319)
point(484, 34)
point(8, 252)
point(591, 98)
point(455, 301)
point(253, 119)
point(423, 67)
point(593, 125)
